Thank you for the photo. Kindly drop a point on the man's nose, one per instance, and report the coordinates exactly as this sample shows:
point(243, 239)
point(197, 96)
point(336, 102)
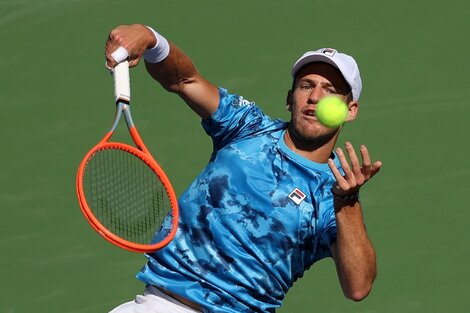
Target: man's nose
point(316, 94)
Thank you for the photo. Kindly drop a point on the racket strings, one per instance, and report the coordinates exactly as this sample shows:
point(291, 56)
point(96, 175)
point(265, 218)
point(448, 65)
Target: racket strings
point(125, 195)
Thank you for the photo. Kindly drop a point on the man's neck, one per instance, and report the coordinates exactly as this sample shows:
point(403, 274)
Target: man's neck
point(318, 151)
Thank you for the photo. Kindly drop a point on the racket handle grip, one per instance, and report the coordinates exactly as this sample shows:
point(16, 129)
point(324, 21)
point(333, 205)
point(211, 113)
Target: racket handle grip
point(122, 88)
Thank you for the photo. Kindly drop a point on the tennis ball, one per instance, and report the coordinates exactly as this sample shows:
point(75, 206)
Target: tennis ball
point(331, 111)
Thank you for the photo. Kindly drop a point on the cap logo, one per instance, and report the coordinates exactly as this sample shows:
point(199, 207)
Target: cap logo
point(297, 196)
point(329, 52)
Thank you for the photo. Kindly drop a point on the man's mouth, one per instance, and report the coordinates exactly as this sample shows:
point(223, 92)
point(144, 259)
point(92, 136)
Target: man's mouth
point(310, 113)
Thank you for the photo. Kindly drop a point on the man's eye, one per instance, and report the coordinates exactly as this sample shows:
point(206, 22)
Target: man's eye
point(305, 86)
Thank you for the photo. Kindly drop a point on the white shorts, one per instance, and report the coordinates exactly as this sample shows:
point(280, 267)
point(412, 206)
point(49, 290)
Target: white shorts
point(154, 301)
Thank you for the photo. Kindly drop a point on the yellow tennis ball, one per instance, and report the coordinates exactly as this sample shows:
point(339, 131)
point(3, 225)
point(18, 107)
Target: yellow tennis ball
point(331, 111)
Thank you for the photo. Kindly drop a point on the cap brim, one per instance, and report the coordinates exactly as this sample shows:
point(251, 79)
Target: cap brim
point(313, 58)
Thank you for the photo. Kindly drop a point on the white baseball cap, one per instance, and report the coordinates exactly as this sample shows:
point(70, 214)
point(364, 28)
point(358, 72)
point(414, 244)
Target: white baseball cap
point(343, 62)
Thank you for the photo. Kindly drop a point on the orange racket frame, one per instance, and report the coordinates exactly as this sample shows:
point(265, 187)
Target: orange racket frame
point(122, 93)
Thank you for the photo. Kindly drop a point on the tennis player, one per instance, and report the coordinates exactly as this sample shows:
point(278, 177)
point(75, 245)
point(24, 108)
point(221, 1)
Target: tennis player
point(275, 197)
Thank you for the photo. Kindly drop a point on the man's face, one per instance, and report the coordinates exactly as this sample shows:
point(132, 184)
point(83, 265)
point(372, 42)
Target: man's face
point(313, 82)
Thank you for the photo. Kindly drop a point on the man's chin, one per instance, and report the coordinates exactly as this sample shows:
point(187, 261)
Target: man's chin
point(314, 136)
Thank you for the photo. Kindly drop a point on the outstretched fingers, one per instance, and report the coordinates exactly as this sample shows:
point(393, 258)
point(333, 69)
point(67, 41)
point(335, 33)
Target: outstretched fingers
point(356, 166)
point(348, 181)
point(369, 169)
point(355, 174)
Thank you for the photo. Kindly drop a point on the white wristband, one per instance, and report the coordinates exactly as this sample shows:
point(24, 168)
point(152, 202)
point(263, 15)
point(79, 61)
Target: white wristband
point(160, 51)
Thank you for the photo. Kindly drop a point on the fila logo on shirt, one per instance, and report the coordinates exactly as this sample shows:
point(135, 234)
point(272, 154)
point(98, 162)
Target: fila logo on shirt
point(297, 196)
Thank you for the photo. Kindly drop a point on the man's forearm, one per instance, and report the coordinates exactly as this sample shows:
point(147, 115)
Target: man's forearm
point(177, 74)
point(353, 252)
point(175, 71)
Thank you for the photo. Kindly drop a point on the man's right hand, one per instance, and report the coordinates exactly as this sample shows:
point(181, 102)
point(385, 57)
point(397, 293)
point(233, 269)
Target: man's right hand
point(134, 38)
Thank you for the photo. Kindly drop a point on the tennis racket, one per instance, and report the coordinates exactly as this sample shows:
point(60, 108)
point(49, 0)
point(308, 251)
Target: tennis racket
point(123, 192)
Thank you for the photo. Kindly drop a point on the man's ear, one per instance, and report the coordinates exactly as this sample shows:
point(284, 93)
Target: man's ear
point(289, 101)
point(353, 110)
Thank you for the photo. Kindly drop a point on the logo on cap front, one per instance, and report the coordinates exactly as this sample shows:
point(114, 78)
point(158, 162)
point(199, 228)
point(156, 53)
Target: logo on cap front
point(329, 52)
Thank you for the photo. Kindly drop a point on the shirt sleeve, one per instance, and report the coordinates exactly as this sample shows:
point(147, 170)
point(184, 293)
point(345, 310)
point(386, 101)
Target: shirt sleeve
point(235, 118)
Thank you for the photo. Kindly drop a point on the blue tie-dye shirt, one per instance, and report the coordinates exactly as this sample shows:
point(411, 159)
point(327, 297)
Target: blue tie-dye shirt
point(252, 222)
